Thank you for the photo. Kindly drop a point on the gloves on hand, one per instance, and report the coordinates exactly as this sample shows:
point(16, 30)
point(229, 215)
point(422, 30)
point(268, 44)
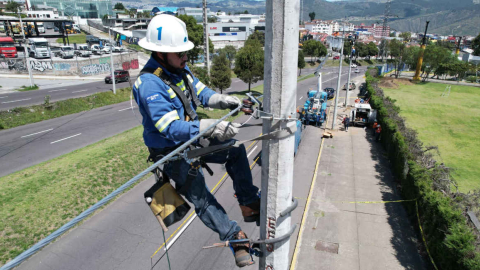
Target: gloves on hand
point(222, 131)
point(219, 101)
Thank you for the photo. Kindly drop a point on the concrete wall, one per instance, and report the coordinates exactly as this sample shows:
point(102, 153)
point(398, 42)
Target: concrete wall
point(79, 66)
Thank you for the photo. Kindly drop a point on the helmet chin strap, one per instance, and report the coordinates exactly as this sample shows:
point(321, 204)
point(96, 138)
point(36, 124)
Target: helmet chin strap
point(164, 62)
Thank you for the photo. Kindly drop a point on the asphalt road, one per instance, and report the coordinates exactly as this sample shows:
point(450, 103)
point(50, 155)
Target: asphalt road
point(125, 235)
point(24, 146)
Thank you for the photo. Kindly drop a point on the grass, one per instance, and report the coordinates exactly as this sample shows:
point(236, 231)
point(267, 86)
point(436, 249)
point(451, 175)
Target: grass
point(233, 75)
point(75, 38)
point(299, 79)
point(65, 186)
point(27, 115)
point(452, 123)
point(137, 48)
point(28, 88)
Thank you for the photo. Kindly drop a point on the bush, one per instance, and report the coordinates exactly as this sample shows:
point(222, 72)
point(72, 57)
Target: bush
point(451, 239)
point(472, 79)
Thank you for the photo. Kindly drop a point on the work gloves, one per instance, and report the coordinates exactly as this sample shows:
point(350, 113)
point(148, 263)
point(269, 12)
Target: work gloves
point(222, 131)
point(218, 101)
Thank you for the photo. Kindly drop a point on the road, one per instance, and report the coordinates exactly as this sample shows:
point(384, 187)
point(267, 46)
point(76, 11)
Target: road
point(125, 235)
point(24, 146)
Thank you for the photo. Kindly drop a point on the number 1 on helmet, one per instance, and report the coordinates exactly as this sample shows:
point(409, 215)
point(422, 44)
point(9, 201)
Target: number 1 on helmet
point(159, 33)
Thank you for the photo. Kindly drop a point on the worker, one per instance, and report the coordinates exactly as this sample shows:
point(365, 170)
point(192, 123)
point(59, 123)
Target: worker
point(377, 132)
point(170, 119)
point(375, 124)
point(346, 122)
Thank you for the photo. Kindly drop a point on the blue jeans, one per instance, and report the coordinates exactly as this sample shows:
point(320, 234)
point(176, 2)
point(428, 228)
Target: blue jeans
point(207, 208)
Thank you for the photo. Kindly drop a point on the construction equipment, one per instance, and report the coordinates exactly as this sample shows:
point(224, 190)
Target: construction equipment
point(420, 57)
point(314, 109)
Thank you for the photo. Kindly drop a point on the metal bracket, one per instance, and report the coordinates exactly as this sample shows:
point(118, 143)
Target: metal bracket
point(269, 116)
point(290, 208)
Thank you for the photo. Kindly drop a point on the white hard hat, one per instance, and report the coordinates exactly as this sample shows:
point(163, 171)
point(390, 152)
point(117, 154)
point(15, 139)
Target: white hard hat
point(166, 33)
point(378, 125)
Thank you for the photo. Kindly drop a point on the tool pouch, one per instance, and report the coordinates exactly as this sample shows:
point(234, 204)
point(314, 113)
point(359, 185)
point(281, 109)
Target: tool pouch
point(165, 203)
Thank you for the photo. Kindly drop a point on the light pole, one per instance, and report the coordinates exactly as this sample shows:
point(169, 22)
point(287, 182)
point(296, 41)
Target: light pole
point(111, 60)
point(25, 50)
point(339, 80)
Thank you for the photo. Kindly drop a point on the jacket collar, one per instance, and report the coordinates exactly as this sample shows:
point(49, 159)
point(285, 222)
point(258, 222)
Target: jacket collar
point(152, 63)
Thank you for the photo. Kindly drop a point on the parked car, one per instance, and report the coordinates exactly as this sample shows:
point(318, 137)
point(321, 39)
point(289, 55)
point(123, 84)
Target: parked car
point(352, 86)
point(330, 92)
point(96, 49)
point(117, 49)
point(336, 57)
point(83, 50)
point(65, 52)
point(120, 76)
point(106, 49)
point(357, 70)
point(354, 65)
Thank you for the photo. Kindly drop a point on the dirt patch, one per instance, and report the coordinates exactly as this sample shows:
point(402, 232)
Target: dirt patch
point(393, 83)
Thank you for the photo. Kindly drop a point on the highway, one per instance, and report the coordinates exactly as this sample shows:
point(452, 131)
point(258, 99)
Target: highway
point(24, 146)
point(125, 235)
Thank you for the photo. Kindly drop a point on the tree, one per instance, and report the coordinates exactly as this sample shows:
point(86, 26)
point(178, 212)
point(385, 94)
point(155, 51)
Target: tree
point(105, 18)
point(201, 74)
point(211, 19)
point(312, 16)
point(230, 51)
point(476, 46)
point(245, 12)
point(229, 13)
point(407, 36)
point(195, 35)
point(132, 12)
point(119, 6)
point(221, 72)
point(256, 36)
point(321, 50)
point(361, 49)
point(301, 61)
point(314, 48)
point(249, 63)
point(12, 6)
point(397, 52)
point(372, 49)
point(146, 14)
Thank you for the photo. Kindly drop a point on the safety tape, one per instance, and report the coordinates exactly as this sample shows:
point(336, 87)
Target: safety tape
point(384, 202)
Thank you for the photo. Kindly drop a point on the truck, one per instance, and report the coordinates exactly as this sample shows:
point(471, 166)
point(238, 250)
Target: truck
point(91, 40)
point(40, 27)
point(65, 52)
point(314, 109)
point(363, 114)
point(2, 27)
point(83, 51)
point(38, 48)
point(7, 48)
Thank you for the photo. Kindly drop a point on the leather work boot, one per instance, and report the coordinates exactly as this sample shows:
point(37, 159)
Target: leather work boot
point(240, 251)
point(251, 212)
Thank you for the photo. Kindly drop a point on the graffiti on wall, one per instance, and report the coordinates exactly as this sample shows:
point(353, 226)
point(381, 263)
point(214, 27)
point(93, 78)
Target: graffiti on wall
point(17, 65)
point(61, 66)
point(95, 69)
point(133, 64)
point(104, 60)
point(40, 65)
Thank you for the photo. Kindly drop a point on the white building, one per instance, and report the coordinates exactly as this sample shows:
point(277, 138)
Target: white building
point(328, 27)
point(197, 13)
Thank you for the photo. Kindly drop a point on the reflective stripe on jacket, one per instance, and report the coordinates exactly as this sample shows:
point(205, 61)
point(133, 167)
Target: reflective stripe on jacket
point(162, 111)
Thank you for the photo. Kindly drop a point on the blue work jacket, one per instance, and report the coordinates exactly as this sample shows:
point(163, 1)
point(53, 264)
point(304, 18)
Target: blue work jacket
point(162, 111)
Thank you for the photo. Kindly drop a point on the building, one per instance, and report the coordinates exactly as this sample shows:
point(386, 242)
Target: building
point(83, 8)
point(42, 11)
point(328, 27)
point(197, 13)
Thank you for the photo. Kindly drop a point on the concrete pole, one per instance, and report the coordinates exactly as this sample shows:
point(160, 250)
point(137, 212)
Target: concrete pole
point(111, 61)
point(338, 82)
point(25, 51)
point(281, 55)
point(205, 37)
point(349, 75)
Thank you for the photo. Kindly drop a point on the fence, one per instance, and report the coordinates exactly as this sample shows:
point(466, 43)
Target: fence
point(77, 66)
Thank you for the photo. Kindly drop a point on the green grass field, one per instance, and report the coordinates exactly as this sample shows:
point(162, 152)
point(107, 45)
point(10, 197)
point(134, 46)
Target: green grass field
point(75, 38)
point(452, 123)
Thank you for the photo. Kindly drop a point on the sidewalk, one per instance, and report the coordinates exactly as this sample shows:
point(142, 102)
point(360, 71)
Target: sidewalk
point(338, 234)
point(410, 75)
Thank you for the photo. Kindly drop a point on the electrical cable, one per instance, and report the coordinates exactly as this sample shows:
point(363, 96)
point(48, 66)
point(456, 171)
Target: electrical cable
point(166, 250)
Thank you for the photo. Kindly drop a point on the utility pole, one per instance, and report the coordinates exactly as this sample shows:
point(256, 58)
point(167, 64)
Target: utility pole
point(349, 74)
point(205, 38)
point(339, 80)
point(25, 50)
point(281, 55)
point(319, 81)
point(457, 51)
point(111, 61)
point(420, 57)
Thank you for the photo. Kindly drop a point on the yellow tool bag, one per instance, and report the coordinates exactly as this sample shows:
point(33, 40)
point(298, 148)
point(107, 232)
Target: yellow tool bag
point(165, 203)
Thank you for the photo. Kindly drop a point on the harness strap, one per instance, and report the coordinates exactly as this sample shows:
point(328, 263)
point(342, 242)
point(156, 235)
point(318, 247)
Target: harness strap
point(180, 94)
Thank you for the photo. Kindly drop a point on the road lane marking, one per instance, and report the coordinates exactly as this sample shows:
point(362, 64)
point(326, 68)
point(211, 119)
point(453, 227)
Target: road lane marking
point(4, 97)
point(127, 108)
point(15, 100)
point(63, 89)
point(66, 138)
point(300, 98)
point(79, 91)
point(253, 150)
point(36, 133)
point(180, 232)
